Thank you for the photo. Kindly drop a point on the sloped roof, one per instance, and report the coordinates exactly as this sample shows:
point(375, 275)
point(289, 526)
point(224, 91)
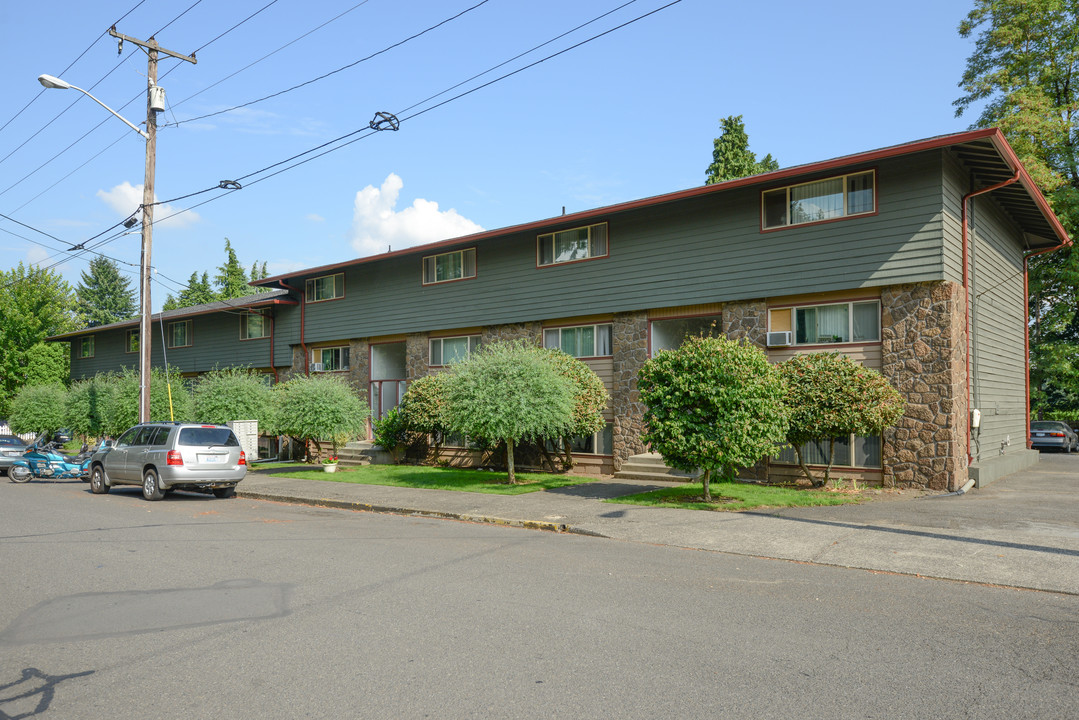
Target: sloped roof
point(248, 302)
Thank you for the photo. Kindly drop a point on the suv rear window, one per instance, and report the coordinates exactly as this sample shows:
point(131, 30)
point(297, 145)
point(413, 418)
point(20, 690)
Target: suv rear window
point(196, 436)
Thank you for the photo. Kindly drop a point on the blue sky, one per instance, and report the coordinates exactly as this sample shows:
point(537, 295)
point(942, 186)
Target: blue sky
point(626, 116)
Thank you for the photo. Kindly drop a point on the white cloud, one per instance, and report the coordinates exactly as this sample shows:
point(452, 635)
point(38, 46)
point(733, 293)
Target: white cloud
point(125, 199)
point(314, 217)
point(35, 255)
point(376, 225)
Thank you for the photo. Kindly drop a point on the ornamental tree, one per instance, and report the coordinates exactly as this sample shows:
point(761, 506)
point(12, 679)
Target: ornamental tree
point(233, 393)
point(508, 391)
point(86, 404)
point(829, 396)
point(714, 404)
point(38, 409)
point(423, 408)
point(169, 399)
point(590, 398)
point(320, 407)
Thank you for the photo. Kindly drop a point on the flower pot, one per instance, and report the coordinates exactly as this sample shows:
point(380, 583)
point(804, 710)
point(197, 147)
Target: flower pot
point(330, 468)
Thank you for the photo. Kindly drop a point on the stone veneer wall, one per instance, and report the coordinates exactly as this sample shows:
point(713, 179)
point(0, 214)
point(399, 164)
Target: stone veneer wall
point(417, 356)
point(359, 367)
point(630, 350)
point(923, 349)
point(748, 320)
point(530, 332)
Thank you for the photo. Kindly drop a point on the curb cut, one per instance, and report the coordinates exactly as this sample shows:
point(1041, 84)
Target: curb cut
point(397, 510)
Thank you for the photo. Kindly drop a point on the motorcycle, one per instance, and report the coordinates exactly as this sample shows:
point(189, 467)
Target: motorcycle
point(43, 460)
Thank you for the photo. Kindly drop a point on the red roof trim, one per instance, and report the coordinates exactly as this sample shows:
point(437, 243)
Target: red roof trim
point(578, 218)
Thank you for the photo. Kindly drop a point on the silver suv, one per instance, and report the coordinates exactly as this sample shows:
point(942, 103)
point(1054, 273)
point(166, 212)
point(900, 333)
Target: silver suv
point(164, 456)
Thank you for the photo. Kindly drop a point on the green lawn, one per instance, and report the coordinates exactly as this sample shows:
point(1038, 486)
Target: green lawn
point(434, 478)
point(738, 496)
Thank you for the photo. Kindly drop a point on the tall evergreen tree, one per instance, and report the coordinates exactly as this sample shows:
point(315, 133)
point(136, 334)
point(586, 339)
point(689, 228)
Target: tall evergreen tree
point(197, 292)
point(731, 156)
point(231, 280)
point(1025, 68)
point(103, 295)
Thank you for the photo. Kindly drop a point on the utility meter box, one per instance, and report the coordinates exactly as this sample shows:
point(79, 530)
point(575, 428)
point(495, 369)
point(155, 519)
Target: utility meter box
point(157, 98)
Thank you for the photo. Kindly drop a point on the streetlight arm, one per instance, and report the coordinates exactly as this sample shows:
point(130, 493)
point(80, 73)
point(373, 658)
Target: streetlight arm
point(51, 82)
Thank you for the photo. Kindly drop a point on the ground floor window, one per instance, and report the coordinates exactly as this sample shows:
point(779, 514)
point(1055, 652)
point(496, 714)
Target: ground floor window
point(852, 451)
point(671, 333)
point(329, 359)
point(601, 443)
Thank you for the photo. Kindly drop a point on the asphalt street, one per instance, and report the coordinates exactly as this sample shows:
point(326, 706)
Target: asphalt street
point(195, 607)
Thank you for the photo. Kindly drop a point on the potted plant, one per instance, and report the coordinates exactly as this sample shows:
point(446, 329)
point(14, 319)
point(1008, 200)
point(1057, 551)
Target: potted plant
point(330, 464)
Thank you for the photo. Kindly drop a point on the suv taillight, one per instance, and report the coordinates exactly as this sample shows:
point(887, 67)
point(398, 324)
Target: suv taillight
point(243, 458)
point(174, 458)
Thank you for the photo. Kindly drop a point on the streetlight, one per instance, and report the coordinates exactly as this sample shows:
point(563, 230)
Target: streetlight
point(154, 104)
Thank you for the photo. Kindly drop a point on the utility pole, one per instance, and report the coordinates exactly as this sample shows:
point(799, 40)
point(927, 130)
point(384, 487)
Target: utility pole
point(154, 104)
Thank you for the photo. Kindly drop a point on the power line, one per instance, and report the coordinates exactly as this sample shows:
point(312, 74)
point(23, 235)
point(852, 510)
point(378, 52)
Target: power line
point(268, 55)
point(334, 72)
point(170, 22)
point(206, 45)
point(70, 65)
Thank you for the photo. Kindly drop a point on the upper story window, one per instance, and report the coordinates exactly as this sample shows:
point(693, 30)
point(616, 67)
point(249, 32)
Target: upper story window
point(329, 359)
point(86, 347)
point(819, 200)
point(456, 265)
point(131, 344)
point(580, 341)
point(448, 350)
point(327, 287)
point(849, 322)
point(179, 334)
point(583, 243)
point(254, 326)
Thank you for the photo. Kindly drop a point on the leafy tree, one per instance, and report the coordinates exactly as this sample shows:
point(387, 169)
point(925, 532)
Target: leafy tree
point(34, 304)
point(231, 280)
point(1025, 68)
point(103, 295)
point(86, 406)
point(423, 408)
point(831, 396)
point(509, 391)
point(590, 399)
point(714, 404)
point(48, 364)
point(392, 433)
point(169, 399)
point(38, 409)
point(731, 156)
point(316, 408)
point(233, 393)
point(198, 292)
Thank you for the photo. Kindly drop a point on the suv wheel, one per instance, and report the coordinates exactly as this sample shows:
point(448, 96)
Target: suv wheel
point(98, 486)
point(151, 485)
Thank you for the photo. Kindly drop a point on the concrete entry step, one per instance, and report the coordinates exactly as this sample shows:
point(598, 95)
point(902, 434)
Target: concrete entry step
point(651, 466)
point(363, 452)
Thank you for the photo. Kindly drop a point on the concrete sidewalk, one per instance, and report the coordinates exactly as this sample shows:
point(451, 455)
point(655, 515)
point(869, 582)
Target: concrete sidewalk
point(1021, 531)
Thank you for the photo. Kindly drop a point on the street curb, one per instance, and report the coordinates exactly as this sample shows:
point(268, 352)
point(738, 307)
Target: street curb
point(416, 512)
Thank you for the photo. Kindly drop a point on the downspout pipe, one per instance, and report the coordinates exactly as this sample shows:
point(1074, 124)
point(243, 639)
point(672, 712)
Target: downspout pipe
point(303, 345)
point(967, 296)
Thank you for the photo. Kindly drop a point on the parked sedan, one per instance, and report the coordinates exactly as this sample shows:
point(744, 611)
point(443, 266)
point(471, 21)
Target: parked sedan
point(1052, 435)
point(11, 448)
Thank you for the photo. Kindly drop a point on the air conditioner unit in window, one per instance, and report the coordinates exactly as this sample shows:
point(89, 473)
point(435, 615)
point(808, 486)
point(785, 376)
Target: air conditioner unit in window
point(779, 339)
point(317, 367)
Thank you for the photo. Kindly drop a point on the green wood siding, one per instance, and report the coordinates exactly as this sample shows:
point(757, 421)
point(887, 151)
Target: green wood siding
point(998, 384)
point(703, 250)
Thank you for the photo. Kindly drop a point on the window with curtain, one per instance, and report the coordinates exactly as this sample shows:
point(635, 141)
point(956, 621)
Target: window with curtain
point(820, 200)
point(851, 451)
point(254, 326)
point(333, 359)
point(837, 323)
point(179, 334)
point(580, 341)
point(565, 246)
point(456, 265)
point(327, 287)
point(448, 350)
